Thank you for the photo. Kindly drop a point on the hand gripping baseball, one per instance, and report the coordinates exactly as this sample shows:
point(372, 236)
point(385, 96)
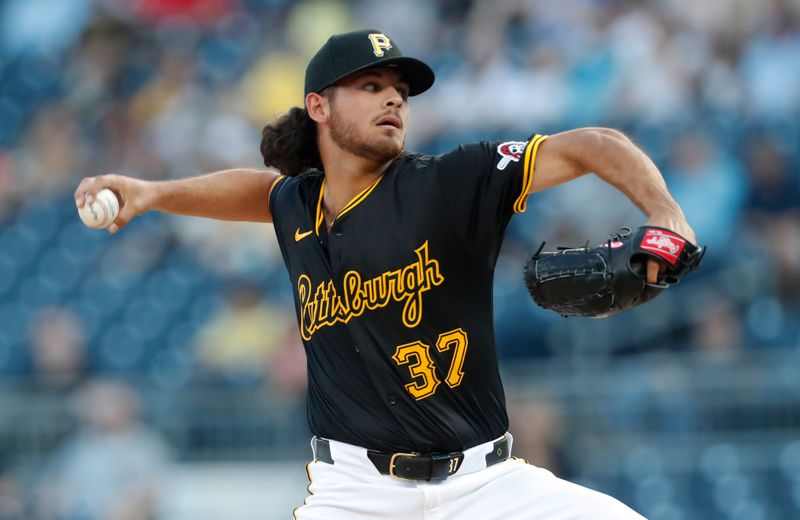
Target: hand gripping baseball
point(132, 195)
point(604, 280)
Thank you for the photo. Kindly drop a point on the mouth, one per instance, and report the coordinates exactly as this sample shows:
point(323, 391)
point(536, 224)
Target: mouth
point(390, 122)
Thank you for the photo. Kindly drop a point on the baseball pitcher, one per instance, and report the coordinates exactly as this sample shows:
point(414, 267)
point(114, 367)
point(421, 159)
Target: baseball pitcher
point(391, 256)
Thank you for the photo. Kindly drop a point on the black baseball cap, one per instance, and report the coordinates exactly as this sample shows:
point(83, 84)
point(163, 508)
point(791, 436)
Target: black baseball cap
point(348, 53)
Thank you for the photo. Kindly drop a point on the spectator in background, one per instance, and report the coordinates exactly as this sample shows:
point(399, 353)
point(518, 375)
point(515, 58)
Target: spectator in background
point(235, 345)
point(11, 498)
point(709, 185)
point(784, 241)
point(286, 368)
point(57, 352)
point(538, 433)
point(718, 334)
point(40, 26)
point(111, 468)
point(774, 180)
point(770, 68)
point(772, 224)
point(54, 154)
point(8, 176)
point(652, 396)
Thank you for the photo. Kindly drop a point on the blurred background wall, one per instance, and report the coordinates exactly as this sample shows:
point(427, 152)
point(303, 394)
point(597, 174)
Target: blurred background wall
point(157, 374)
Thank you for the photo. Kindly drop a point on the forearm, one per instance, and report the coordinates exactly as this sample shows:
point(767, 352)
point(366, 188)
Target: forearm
point(237, 194)
point(619, 162)
point(616, 160)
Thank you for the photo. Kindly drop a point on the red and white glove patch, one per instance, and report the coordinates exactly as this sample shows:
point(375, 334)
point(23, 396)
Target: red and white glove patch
point(664, 244)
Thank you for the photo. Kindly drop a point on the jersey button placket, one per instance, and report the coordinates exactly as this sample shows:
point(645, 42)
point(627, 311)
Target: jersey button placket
point(336, 232)
point(392, 399)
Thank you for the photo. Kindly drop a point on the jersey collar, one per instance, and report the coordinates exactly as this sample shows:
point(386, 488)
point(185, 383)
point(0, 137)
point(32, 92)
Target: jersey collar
point(355, 201)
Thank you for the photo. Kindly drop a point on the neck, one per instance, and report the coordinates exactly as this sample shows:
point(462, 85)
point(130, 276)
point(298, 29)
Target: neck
point(346, 175)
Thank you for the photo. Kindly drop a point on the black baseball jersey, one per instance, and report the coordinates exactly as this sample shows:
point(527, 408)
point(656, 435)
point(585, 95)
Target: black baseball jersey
point(394, 301)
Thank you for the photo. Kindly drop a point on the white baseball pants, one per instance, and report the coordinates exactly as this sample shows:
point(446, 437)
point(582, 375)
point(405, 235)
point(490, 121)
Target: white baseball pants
point(352, 489)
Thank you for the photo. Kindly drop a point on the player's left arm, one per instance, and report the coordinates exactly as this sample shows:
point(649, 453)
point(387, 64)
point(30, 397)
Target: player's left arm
point(617, 160)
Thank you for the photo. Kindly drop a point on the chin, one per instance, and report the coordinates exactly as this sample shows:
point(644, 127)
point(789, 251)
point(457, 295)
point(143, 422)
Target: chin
point(394, 150)
point(385, 148)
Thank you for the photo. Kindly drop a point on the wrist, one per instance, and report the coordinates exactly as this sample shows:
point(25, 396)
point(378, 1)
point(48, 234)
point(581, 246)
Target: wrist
point(671, 217)
point(151, 195)
point(666, 207)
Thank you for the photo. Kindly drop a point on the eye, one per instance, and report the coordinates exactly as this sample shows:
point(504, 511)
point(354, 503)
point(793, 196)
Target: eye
point(371, 87)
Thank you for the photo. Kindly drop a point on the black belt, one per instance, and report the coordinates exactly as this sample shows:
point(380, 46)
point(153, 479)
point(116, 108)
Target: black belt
point(413, 466)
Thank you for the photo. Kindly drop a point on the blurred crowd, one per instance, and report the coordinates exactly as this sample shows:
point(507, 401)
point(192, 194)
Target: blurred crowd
point(163, 89)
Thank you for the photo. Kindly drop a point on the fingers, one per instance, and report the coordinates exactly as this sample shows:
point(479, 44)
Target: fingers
point(126, 213)
point(652, 271)
point(123, 188)
point(86, 192)
point(654, 268)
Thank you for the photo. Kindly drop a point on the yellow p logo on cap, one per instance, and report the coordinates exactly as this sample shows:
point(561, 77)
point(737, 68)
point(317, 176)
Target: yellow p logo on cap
point(379, 42)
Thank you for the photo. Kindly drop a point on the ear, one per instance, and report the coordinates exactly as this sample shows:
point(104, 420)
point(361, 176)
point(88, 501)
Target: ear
point(318, 107)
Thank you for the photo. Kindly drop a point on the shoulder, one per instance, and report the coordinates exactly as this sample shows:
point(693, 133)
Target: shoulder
point(483, 151)
point(462, 155)
point(479, 156)
point(292, 194)
point(298, 185)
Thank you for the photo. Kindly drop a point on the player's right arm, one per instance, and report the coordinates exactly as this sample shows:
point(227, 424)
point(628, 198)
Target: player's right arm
point(238, 194)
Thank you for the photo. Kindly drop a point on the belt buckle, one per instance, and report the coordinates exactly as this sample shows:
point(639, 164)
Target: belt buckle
point(393, 462)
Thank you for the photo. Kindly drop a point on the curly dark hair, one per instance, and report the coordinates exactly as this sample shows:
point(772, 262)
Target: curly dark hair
point(290, 143)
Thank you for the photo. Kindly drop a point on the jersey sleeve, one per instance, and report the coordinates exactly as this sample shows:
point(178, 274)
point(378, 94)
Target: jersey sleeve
point(280, 207)
point(483, 184)
point(273, 193)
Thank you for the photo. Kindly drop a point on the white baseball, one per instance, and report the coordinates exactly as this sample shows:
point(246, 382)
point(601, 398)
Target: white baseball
point(102, 212)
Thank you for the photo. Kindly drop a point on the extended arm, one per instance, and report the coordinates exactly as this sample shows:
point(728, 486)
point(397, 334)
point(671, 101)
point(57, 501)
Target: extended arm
point(238, 194)
point(619, 162)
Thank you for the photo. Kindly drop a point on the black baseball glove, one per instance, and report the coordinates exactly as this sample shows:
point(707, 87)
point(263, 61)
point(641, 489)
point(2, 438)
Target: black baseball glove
point(604, 280)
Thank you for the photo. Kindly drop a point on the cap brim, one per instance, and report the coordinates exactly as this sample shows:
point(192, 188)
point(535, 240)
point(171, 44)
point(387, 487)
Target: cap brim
point(418, 74)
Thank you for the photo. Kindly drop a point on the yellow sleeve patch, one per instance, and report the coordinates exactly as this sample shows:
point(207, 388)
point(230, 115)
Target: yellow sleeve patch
point(527, 175)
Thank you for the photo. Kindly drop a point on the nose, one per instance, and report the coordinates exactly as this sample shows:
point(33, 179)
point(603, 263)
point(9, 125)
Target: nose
point(395, 99)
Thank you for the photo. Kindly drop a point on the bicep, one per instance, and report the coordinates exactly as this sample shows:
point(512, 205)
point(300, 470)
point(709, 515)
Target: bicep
point(239, 195)
point(559, 158)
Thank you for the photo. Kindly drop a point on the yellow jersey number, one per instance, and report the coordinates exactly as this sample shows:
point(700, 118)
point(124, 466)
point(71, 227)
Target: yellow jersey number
point(422, 368)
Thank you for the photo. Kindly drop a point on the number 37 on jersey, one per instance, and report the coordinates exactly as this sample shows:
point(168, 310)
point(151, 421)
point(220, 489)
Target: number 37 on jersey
point(417, 356)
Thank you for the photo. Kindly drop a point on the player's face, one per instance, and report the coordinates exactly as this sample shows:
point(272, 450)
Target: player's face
point(369, 113)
